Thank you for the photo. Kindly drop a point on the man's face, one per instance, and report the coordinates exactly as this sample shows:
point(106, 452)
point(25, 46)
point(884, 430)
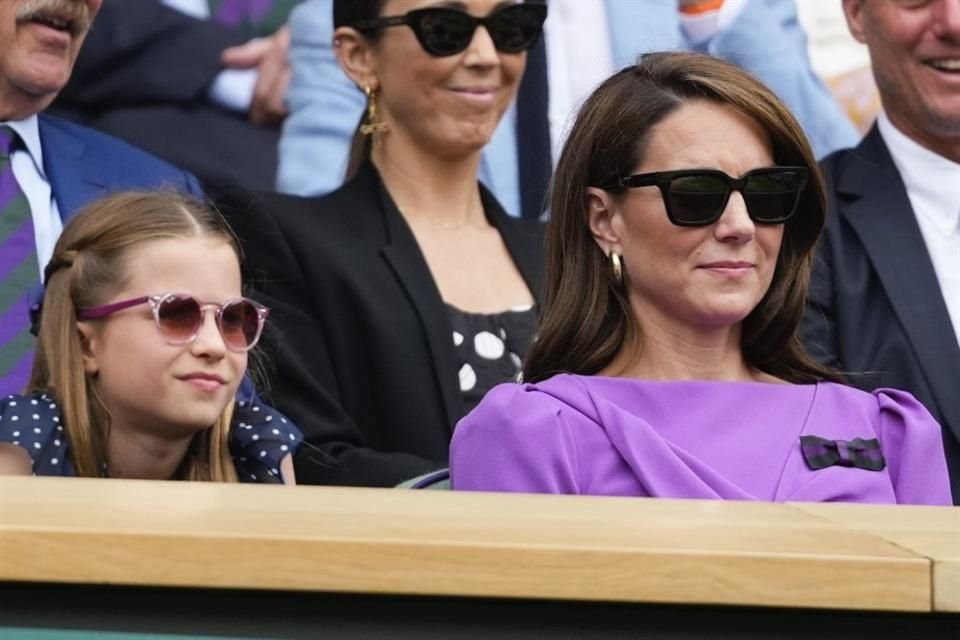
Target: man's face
point(39, 42)
point(915, 54)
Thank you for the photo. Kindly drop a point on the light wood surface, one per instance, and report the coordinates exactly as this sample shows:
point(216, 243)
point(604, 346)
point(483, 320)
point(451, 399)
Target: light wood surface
point(449, 543)
point(932, 532)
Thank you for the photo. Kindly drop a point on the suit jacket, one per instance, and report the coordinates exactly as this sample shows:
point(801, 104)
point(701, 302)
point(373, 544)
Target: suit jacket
point(325, 106)
point(359, 333)
point(82, 165)
point(143, 75)
point(876, 310)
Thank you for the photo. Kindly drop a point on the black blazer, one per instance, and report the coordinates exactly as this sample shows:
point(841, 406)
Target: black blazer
point(365, 365)
point(876, 310)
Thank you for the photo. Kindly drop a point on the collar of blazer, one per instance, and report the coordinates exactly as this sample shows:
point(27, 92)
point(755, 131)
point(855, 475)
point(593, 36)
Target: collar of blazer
point(873, 200)
point(74, 179)
point(403, 254)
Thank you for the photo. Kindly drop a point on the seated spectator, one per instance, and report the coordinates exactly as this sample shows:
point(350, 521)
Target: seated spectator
point(884, 302)
point(403, 296)
point(586, 41)
point(143, 344)
point(686, 205)
point(200, 83)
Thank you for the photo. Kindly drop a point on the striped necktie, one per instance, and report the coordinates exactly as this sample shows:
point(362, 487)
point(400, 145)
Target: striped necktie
point(253, 18)
point(19, 271)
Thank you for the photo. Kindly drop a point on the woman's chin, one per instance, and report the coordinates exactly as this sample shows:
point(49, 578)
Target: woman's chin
point(721, 317)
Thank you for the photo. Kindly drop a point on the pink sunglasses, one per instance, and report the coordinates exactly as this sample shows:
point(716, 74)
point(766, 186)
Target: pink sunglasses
point(179, 317)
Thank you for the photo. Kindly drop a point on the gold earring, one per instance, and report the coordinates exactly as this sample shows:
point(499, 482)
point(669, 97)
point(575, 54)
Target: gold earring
point(617, 267)
point(373, 126)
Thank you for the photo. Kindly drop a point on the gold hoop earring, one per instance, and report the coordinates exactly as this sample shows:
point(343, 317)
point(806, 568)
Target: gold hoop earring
point(373, 126)
point(617, 266)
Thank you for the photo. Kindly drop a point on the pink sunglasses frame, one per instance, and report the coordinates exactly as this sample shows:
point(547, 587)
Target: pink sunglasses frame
point(155, 301)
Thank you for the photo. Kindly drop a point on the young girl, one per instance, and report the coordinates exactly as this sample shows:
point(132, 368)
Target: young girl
point(143, 345)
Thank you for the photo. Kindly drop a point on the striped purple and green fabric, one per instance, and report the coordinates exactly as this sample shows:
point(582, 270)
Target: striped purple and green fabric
point(255, 18)
point(19, 271)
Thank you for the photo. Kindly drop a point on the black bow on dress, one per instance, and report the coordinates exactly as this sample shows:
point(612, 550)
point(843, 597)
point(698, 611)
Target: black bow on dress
point(863, 454)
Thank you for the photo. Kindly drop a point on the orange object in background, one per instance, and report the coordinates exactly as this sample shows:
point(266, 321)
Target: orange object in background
point(857, 93)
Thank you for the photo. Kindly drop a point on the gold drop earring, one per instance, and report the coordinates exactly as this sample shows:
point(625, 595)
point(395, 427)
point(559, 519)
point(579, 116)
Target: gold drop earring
point(373, 126)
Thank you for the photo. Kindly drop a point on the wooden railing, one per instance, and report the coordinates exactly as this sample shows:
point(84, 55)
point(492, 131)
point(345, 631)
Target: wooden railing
point(379, 541)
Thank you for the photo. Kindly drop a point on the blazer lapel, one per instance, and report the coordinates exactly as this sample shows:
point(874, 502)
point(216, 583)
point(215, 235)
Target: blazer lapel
point(403, 255)
point(406, 260)
point(881, 214)
point(74, 180)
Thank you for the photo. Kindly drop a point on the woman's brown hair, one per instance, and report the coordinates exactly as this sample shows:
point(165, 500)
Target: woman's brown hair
point(88, 265)
point(585, 316)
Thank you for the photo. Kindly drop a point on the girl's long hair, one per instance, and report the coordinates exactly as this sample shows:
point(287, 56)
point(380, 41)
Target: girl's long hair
point(88, 265)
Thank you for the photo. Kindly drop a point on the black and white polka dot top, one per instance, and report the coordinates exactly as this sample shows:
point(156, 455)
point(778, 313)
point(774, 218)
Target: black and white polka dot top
point(260, 437)
point(489, 348)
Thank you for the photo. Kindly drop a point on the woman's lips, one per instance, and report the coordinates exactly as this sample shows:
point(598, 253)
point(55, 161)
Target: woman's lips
point(477, 95)
point(728, 267)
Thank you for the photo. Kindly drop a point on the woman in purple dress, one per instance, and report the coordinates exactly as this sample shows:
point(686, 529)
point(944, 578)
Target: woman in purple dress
point(685, 208)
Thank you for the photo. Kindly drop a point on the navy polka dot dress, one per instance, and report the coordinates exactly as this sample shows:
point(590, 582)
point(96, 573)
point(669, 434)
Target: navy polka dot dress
point(260, 437)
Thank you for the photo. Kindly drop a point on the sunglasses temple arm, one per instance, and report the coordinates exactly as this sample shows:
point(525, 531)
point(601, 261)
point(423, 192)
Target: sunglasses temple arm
point(93, 313)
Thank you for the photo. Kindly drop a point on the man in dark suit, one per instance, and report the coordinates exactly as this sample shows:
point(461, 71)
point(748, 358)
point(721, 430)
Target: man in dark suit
point(50, 168)
point(885, 297)
point(195, 89)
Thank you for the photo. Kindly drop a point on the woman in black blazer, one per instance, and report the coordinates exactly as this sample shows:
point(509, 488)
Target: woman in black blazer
point(401, 297)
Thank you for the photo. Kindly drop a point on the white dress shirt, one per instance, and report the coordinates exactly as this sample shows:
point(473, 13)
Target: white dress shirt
point(232, 88)
point(933, 186)
point(28, 170)
point(196, 8)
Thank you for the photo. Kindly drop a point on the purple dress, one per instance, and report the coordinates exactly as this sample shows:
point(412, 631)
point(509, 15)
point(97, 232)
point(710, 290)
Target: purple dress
point(729, 440)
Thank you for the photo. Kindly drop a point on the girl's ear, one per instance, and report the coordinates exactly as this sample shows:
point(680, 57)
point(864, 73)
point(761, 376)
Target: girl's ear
point(89, 343)
point(603, 216)
point(356, 57)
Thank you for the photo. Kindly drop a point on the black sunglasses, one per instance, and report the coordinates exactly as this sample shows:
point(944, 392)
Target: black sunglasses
point(443, 31)
point(698, 197)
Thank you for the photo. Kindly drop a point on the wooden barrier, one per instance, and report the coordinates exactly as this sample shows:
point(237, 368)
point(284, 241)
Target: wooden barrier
point(930, 532)
point(201, 539)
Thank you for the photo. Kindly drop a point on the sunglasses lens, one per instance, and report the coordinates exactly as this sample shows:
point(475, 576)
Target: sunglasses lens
point(697, 199)
point(516, 27)
point(178, 318)
point(772, 197)
point(443, 32)
point(240, 324)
